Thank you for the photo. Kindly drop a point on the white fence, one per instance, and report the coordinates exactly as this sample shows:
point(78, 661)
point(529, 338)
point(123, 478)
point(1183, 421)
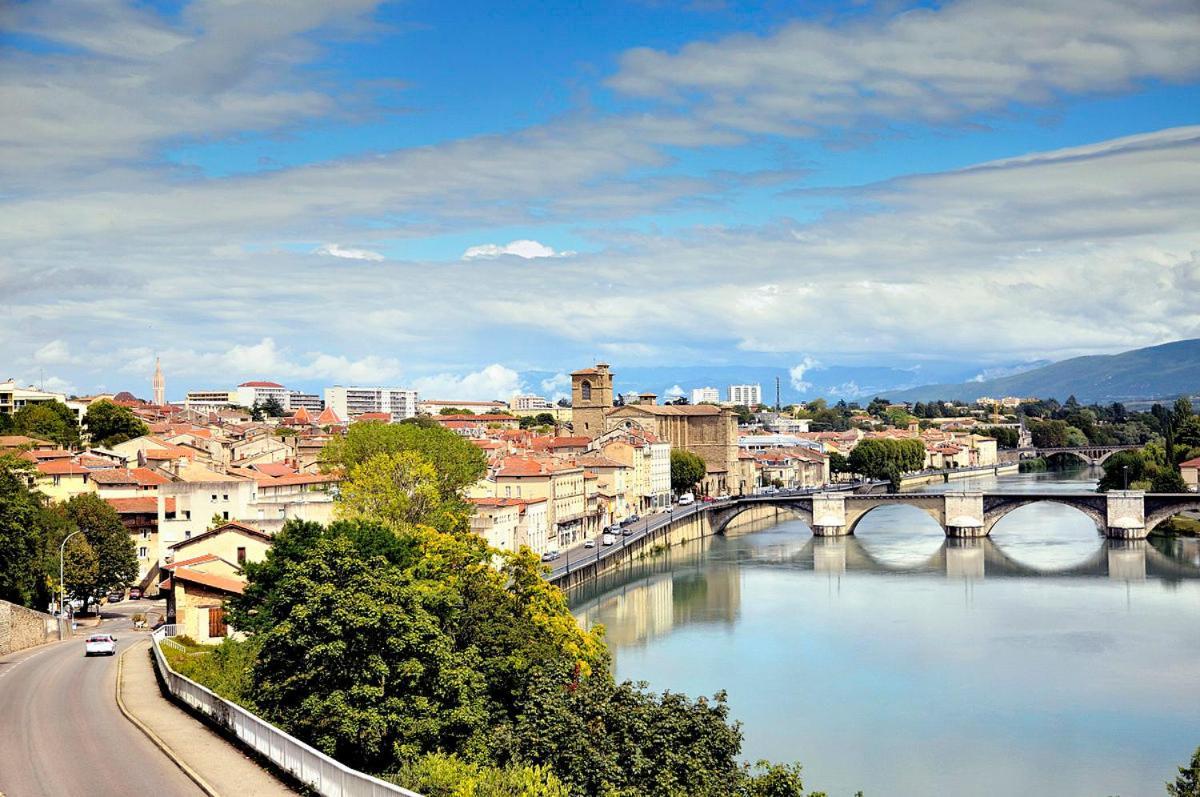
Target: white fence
point(321, 773)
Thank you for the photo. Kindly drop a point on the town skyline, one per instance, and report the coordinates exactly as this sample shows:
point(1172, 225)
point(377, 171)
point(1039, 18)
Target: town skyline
point(506, 193)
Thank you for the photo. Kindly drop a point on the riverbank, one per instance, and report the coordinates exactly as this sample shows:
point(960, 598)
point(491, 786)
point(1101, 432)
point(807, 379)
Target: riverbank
point(944, 476)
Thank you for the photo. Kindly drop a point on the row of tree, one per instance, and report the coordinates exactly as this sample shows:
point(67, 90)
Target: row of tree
point(886, 458)
point(106, 422)
point(101, 558)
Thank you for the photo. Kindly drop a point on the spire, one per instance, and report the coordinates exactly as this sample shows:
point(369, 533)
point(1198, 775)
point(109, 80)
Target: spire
point(160, 385)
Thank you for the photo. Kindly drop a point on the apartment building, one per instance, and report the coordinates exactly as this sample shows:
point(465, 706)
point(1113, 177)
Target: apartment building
point(706, 395)
point(207, 400)
point(745, 395)
point(250, 393)
point(529, 402)
point(310, 402)
point(350, 402)
point(13, 397)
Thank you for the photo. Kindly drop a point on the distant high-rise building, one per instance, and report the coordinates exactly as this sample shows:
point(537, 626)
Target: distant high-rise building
point(529, 402)
point(702, 395)
point(350, 402)
point(160, 385)
point(745, 395)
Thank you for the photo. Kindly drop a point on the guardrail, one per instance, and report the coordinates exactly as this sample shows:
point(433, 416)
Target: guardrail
point(310, 766)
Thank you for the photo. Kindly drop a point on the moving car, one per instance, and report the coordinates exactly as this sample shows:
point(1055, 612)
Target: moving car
point(686, 498)
point(100, 645)
point(708, 499)
point(589, 543)
point(550, 556)
point(626, 530)
point(633, 519)
point(608, 539)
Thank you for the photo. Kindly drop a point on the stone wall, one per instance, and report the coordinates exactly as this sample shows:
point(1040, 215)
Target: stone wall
point(22, 628)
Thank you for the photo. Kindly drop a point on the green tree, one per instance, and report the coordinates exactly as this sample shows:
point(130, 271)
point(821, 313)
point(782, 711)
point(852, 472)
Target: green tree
point(47, 420)
point(1005, 436)
point(399, 490)
point(1187, 784)
point(109, 423)
point(20, 543)
point(1167, 480)
point(454, 411)
point(273, 408)
point(458, 463)
point(116, 556)
point(838, 463)
point(1121, 468)
point(687, 470)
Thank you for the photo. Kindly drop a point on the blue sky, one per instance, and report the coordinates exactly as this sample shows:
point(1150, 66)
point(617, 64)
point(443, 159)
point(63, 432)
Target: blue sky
point(456, 195)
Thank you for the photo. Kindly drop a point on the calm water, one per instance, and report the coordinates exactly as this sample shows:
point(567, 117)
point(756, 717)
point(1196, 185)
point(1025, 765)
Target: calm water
point(1042, 661)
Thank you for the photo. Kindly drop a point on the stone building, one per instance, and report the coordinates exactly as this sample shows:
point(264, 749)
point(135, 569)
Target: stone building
point(591, 400)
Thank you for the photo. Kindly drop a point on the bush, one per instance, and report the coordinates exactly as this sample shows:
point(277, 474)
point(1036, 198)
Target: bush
point(442, 775)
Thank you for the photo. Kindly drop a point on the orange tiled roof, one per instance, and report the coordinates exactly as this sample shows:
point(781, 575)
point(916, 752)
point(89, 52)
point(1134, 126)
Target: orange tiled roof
point(223, 583)
point(148, 478)
point(59, 467)
point(140, 506)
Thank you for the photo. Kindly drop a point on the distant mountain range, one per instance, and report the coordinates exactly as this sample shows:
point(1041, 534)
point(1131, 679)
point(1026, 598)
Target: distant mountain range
point(1165, 371)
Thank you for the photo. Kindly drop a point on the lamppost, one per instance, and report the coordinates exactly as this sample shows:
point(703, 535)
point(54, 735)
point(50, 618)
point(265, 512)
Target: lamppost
point(1125, 471)
point(62, 586)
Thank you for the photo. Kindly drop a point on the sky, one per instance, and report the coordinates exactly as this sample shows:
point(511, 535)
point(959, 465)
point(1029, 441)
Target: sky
point(450, 196)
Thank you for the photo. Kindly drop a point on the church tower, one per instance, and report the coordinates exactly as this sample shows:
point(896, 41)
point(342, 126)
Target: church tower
point(591, 400)
point(160, 385)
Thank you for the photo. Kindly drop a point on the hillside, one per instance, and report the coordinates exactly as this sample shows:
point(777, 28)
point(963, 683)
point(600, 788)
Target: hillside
point(1153, 372)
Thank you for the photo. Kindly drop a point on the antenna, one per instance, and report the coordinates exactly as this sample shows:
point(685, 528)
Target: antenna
point(778, 404)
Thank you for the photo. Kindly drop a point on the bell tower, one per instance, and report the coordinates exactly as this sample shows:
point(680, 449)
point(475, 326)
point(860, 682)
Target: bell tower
point(159, 384)
point(591, 399)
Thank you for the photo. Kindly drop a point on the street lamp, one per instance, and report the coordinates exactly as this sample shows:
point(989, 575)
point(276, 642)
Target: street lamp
point(1125, 471)
point(62, 586)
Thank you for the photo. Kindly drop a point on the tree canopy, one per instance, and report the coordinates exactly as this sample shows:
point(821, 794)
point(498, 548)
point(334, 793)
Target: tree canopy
point(109, 423)
point(47, 420)
point(886, 458)
point(687, 470)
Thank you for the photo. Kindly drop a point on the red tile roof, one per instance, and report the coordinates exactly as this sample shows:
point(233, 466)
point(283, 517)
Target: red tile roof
point(148, 478)
point(140, 506)
point(59, 467)
point(259, 384)
point(328, 418)
point(195, 560)
point(223, 583)
point(1191, 463)
point(49, 453)
point(374, 416)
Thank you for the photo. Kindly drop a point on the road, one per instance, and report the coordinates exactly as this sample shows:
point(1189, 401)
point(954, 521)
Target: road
point(61, 732)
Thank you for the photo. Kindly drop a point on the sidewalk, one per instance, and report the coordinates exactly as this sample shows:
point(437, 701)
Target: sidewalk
point(224, 768)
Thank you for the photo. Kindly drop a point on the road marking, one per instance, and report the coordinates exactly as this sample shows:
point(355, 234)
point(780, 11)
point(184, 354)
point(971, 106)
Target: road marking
point(154, 737)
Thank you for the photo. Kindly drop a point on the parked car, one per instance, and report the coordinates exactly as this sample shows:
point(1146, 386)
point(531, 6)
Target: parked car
point(633, 519)
point(550, 556)
point(626, 530)
point(589, 543)
point(100, 645)
point(116, 596)
point(608, 539)
point(135, 593)
point(708, 499)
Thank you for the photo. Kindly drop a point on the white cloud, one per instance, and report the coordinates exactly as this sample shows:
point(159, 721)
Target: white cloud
point(558, 385)
point(56, 352)
point(493, 382)
point(349, 253)
point(936, 65)
point(675, 391)
point(525, 248)
point(797, 371)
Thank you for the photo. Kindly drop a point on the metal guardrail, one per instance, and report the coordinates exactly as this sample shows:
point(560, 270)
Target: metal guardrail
point(310, 766)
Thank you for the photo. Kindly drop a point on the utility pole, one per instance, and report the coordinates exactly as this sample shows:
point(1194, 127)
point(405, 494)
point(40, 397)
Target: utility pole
point(778, 404)
point(62, 586)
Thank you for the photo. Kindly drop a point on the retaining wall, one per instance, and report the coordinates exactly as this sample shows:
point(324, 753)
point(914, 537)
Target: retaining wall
point(22, 628)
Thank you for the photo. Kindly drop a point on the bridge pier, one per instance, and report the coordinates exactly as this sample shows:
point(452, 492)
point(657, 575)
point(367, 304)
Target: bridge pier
point(1126, 515)
point(963, 515)
point(829, 515)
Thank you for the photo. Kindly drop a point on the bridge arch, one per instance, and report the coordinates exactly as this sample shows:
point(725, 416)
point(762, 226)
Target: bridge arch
point(855, 514)
point(723, 517)
point(1080, 456)
point(1160, 516)
point(994, 514)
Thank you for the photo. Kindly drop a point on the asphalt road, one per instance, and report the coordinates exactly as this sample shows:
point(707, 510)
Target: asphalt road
point(61, 732)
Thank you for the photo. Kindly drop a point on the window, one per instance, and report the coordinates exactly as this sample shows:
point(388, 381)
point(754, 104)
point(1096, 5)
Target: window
point(225, 497)
point(225, 516)
point(143, 552)
point(241, 555)
point(214, 496)
point(585, 390)
point(187, 514)
point(187, 535)
point(507, 491)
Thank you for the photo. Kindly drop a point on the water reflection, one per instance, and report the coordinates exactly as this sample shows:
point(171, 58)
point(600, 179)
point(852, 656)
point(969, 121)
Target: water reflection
point(1048, 658)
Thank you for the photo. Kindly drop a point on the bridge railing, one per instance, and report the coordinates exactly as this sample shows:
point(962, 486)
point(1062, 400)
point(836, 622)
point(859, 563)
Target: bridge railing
point(322, 774)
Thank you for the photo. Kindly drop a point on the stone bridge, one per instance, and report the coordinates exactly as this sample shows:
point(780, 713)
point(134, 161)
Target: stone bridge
point(1119, 514)
point(1090, 455)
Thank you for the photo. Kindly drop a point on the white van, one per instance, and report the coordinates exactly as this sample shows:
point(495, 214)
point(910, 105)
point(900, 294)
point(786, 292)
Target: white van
point(608, 539)
point(687, 498)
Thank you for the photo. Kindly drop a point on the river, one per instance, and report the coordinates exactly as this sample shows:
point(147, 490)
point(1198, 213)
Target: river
point(1041, 661)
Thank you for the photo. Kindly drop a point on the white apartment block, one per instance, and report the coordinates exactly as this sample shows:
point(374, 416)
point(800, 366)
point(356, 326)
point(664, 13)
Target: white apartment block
point(706, 394)
point(529, 402)
point(205, 400)
point(309, 401)
point(350, 402)
point(13, 397)
point(745, 395)
point(250, 393)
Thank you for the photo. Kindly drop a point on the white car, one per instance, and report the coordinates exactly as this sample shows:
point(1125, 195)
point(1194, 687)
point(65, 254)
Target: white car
point(100, 645)
point(589, 543)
